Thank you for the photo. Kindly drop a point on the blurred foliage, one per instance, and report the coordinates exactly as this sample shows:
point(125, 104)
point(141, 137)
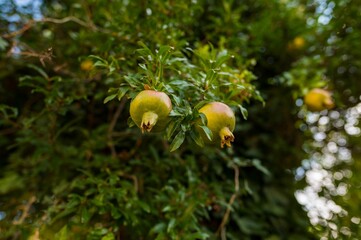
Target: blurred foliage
point(73, 168)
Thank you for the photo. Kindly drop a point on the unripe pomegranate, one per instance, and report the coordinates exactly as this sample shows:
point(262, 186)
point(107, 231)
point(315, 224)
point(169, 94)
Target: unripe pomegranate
point(318, 99)
point(221, 121)
point(86, 65)
point(299, 42)
point(296, 44)
point(150, 109)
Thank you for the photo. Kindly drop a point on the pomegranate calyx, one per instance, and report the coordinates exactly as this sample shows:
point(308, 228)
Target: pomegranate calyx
point(149, 119)
point(226, 137)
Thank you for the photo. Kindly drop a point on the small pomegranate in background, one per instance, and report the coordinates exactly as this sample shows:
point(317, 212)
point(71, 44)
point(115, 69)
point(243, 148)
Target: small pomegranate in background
point(87, 65)
point(318, 99)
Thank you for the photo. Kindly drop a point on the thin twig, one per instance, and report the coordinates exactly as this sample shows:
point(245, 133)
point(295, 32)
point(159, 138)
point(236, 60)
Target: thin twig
point(67, 19)
point(32, 22)
point(112, 126)
point(26, 27)
point(132, 177)
point(25, 211)
point(221, 228)
point(45, 55)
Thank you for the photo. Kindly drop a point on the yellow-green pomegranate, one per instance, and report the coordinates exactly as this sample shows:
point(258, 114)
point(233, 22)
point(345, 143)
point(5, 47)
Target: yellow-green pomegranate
point(150, 110)
point(221, 121)
point(318, 99)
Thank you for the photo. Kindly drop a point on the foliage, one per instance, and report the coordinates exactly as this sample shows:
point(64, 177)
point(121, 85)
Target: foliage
point(74, 166)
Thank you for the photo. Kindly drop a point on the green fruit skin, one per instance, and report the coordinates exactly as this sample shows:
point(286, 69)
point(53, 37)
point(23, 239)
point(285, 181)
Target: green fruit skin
point(149, 101)
point(219, 116)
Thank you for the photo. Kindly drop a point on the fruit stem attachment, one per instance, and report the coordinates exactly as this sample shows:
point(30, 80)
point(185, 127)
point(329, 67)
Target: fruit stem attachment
point(226, 137)
point(149, 119)
point(328, 103)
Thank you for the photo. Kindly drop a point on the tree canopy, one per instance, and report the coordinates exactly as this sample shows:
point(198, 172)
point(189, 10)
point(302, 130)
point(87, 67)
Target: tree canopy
point(74, 164)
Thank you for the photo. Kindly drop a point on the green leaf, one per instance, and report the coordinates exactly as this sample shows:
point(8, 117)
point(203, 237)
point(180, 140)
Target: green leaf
point(39, 70)
point(249, 225)
point(175, 113)
point(201, 104)
point(144, 206)
point(161, 236)
point(208, 132)
point(177, 141)
point(100, 231)
point(145, 50)
point(62, 234)
point(116, 214)
point(109, 236)
point(11, 181)
point(158, 228)
point(143, 66)
point(133, 80)
point(203, 118)
point(100, 64)
point(247, 187)
point(243, 111)
point(257, 163)
point(8, 112)
point(197, 137)
point(122, 91)
point(85, 215)
point(130, 122)
point(164, 53)
point(63, 214)
point(180, 83)
point(198, 236)
point(171, 225)
point(109, 98)
point(172, 127)
point(221, 60)
point(97, 58)
point(167, 208)
point(3, 44)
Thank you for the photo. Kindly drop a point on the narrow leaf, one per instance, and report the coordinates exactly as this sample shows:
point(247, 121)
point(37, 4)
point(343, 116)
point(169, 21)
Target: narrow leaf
point(144, 206)
point(122, 91)
point(3, 44)
point(197, 138)
point(130, 122)
point(172, 127)
point(62, 234)
point(109, 98)
point(257, 163)
point(85, 215)
point(158, 228)
point(203, 118)
point(109, 236)
point(39, 70)
point(208, 132)
point(243, 111)
point(198, 236)
point(221, 60)
point(177, 141)
point(171, 225)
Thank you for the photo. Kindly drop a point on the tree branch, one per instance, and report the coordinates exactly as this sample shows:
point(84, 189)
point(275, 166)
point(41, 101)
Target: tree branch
point(26, 210)
point(32, 22)
point(221, 228)
point(112, 126)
